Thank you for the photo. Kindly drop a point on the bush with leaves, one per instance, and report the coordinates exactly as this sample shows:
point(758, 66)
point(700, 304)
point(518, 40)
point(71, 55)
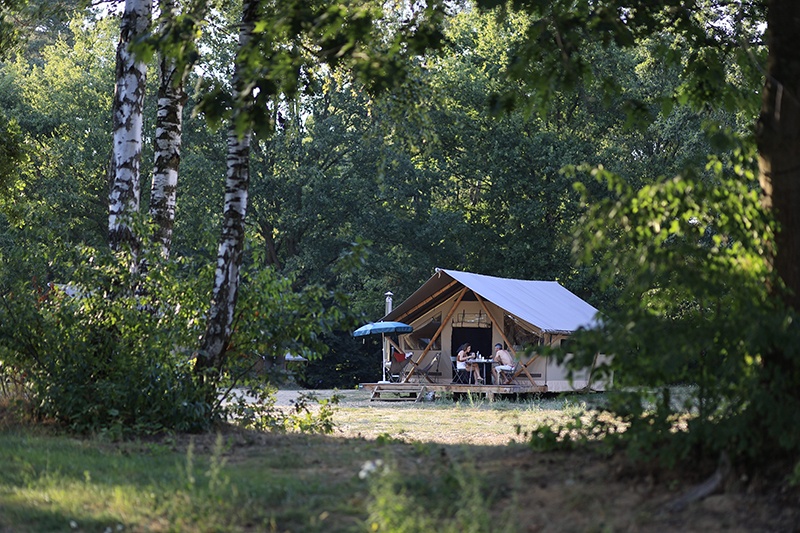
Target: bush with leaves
point(695, 310)
point(257, 409)
point(112, 350)
point(106, 351)
point(275, 317)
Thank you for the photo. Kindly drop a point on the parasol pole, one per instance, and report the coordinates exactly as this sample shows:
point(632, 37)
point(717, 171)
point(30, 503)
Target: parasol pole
point(383, 351)
point(383, 335)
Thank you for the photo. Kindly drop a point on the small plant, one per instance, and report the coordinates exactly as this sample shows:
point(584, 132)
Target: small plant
point(386, 438)
point(255, 408)
point(452, 500)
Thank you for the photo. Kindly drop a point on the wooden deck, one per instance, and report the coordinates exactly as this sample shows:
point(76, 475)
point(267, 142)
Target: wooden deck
point(415, 391)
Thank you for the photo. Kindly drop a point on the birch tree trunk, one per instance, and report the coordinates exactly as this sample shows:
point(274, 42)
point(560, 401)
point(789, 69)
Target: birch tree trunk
point(124, 175)
point(169, 129)
point(229, 256)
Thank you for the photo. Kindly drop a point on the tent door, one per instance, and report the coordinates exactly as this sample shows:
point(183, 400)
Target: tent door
point(479, 338)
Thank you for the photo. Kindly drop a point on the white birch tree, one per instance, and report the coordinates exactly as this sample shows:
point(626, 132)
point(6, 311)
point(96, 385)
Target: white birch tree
point(229, 255)
point(169, 130)
point(127, 123)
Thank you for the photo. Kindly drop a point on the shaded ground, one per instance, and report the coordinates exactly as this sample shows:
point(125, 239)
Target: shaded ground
point(578, 491)
point(581, 491)
point(565, 492)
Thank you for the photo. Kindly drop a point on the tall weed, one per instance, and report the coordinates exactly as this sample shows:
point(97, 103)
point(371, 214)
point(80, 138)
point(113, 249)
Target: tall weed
point(453, 499)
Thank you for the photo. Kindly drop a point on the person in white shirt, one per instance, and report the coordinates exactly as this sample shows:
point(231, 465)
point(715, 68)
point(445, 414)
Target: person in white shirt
point(464, 362)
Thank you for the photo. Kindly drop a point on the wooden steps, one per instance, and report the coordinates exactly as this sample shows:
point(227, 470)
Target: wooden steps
point(398, 392)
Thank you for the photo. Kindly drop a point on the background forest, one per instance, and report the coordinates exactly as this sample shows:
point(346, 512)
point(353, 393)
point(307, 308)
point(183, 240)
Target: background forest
point(425, 177)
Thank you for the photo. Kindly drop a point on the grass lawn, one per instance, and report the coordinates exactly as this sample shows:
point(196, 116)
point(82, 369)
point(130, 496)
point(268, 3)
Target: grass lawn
point(433, 466)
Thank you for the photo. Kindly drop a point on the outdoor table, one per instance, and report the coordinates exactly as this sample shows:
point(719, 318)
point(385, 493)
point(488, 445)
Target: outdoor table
point(485, 366)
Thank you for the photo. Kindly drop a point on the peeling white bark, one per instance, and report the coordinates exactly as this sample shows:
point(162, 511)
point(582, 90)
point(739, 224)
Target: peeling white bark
point(131, 76)
point(169, 129)
point(229, 256)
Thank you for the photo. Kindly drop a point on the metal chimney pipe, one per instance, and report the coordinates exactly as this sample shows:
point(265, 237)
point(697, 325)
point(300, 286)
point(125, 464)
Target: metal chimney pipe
point(388, 302)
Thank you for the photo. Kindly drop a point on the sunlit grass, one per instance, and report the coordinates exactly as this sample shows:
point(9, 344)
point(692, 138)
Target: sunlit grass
point(245, 481)
point(51, 483)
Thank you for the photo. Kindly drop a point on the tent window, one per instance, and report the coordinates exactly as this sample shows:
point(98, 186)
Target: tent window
point(422, 335)
point(518, 335)
point(472, 320)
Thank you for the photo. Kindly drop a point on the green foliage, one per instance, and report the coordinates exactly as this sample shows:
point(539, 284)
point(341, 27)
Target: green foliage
point(275, 317)
point(255, 408)
point(696, 309)
point(698, 300)
point(713, 59)
point(62, 104)
point(451, 499)
point(102, 359)
point(8, 33)
point(291, 38)
point(12, 155)
point(29, 24)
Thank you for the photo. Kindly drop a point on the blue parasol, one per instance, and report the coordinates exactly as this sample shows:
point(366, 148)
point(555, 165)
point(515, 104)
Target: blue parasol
point(382, 327)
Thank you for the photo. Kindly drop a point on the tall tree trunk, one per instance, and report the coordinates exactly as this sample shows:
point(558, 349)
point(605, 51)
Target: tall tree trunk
point(229, 256)
point(131, 76)
point(778, 138)
point(169, 128)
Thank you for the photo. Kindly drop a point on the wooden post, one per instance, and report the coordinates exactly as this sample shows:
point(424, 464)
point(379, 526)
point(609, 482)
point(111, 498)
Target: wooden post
point(436, 335)
point(523, 366)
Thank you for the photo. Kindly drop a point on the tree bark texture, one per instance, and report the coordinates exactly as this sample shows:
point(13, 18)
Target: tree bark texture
point(127, 119)
point(169, 129)
point(778, 137)
point(229, 256)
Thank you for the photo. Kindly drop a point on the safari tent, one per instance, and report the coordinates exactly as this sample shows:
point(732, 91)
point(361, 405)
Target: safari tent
point(454, 307)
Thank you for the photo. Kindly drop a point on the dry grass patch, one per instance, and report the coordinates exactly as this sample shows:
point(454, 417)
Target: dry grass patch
point(469, 420)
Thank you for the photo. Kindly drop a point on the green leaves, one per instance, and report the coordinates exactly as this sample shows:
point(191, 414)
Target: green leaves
point(691, 255)
point(705, 49)
point(295, 38)
point(101, 358)
point(12, 156)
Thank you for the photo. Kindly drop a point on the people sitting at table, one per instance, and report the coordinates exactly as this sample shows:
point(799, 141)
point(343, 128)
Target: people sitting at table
point(501, 358)
point(465, 361)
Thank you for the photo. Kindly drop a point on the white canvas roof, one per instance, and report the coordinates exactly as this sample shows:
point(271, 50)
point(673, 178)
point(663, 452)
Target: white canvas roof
point(544, 304)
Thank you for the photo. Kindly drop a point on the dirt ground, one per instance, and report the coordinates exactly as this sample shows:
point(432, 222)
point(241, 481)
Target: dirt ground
point(583, 491)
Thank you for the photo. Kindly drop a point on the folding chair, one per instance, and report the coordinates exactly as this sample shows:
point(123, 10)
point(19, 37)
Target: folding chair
point(507, 374)
point(459, 376)
point(424, 371)
point(397, 363)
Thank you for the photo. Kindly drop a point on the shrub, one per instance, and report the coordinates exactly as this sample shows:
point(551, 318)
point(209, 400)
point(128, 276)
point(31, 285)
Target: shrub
point(697, 309)
point(100, 356)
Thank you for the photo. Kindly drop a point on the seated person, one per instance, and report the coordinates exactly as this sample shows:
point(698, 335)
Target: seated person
point(501, 358)
point(464, 362)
